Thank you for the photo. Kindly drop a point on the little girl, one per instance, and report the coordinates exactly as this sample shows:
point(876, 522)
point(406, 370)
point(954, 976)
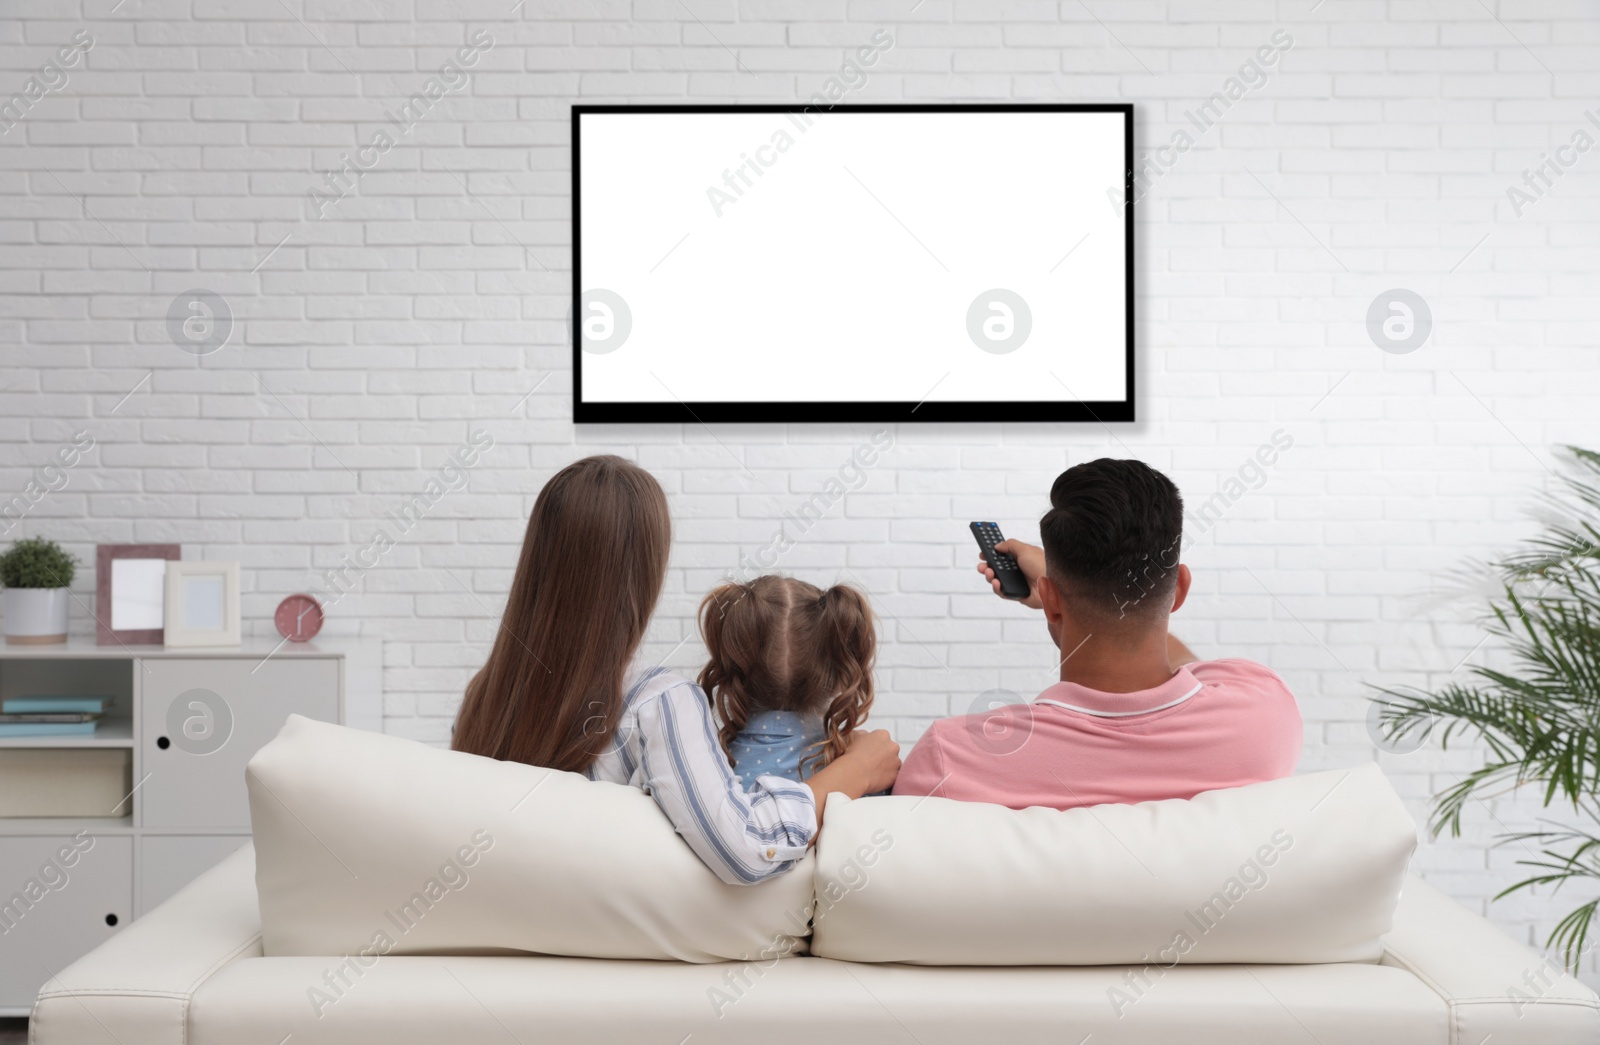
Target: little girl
point(790, 673)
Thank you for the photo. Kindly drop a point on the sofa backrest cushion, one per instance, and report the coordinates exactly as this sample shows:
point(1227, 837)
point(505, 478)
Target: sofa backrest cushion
point(369, 844)
point(1299, 871)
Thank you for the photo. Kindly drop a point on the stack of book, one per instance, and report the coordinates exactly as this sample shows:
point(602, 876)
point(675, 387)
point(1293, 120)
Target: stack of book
point(51, 716)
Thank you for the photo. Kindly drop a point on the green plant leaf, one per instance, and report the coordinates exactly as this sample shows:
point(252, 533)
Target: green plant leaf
point(1539, 718)
point(37, 563)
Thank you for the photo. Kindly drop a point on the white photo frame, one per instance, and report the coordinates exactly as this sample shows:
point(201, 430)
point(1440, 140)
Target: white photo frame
point(202, 604)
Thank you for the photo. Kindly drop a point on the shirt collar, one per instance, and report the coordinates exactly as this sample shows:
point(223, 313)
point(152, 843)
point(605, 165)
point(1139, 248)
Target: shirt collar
point(1073, 697)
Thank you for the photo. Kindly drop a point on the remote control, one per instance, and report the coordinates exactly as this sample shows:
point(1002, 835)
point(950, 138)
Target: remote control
point(1013, 585)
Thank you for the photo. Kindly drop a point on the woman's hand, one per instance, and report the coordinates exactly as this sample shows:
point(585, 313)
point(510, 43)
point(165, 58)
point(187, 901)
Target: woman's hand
point(870, 764)
point(1030, 560)
point(880, 757)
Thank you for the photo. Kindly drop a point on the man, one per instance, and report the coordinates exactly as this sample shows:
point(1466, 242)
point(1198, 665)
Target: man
point(1136, 716)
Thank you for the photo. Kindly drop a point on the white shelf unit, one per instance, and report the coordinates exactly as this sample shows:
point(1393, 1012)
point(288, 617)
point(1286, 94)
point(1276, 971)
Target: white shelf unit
point(189, 810)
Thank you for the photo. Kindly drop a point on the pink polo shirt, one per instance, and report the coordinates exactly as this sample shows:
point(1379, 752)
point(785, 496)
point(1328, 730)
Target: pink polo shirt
point(1216, 723)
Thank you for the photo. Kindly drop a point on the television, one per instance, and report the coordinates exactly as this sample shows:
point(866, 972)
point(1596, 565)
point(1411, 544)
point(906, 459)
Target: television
point(854, 263)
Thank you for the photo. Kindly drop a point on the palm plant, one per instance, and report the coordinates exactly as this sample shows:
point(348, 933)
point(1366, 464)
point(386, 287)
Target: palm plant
point(1540, 718)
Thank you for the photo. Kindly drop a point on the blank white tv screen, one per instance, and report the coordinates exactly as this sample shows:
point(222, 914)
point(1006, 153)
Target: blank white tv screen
point(859, 263)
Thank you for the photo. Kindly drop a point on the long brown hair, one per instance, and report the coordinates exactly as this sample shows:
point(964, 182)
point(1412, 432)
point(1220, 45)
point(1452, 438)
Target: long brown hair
point(592, 566)
point(780, 644)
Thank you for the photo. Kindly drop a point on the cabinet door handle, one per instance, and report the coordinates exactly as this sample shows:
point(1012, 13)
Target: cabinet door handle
point(111, 919)
point(163, 743)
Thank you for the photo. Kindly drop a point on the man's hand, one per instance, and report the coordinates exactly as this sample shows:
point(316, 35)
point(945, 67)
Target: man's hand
point(1030, 559)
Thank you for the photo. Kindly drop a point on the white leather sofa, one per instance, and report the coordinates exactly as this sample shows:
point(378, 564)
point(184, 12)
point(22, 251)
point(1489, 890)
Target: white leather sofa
point(915, 920)
point(192, 973)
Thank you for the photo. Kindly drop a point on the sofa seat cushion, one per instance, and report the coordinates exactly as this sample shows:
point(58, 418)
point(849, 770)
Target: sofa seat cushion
point(371, 845)
point(804, 1001)
point(1302, 870)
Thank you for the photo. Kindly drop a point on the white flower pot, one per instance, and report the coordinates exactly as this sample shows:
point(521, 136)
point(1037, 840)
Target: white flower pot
point(36, 616)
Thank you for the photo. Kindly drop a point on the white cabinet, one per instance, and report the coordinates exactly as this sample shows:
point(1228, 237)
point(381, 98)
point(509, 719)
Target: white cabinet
point(63, 895)
point(167, 863)
point(188, 720)
point(201, 720)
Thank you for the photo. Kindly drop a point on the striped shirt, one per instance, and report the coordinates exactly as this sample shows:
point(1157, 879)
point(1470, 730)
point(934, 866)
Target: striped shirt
point(666, 744)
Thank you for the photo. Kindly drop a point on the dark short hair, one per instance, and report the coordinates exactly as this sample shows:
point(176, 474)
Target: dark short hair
point(1111, 538)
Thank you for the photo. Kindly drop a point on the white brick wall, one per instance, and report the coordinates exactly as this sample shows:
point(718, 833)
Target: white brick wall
point(428, 303)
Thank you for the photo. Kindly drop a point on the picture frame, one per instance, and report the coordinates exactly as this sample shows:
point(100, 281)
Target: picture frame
point(202, 604)
point(130, 592)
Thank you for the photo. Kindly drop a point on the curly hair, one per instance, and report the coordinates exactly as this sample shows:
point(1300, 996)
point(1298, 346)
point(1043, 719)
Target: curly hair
point(780, 644)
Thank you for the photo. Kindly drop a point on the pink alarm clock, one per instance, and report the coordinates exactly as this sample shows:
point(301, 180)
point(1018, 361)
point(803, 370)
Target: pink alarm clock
point(298, 617)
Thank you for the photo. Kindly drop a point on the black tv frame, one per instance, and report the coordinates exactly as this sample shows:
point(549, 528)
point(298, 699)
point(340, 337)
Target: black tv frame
point(796, 412)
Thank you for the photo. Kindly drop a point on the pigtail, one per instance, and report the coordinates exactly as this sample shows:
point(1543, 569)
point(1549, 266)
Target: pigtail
point(729, 630)
point(848, 646)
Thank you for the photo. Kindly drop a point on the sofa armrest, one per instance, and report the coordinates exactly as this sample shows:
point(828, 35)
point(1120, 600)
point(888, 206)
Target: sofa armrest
point(134, 989)
point(1496, 989)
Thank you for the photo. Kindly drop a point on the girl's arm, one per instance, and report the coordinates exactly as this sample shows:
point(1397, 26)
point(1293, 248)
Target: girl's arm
point(744, 837)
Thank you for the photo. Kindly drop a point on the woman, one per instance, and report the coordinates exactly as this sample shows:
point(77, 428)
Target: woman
point(560, 689)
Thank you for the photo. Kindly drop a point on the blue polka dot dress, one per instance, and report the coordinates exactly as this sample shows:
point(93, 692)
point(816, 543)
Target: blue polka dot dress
point(773, 743)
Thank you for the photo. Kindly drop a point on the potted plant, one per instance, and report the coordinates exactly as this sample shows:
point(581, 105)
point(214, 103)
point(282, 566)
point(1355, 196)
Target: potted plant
point(36, 574)
point(1539, 716)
